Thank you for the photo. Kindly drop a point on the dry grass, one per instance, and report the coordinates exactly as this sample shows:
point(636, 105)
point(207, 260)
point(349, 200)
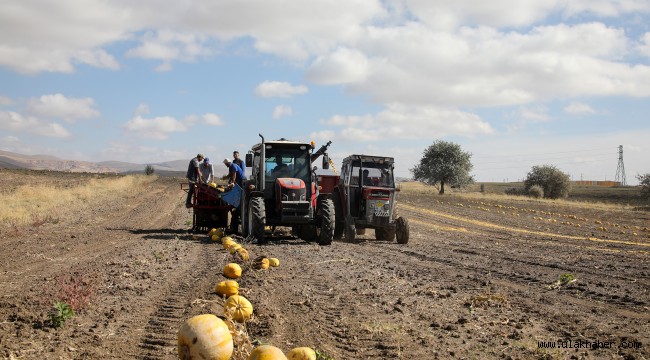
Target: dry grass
point(35, 205)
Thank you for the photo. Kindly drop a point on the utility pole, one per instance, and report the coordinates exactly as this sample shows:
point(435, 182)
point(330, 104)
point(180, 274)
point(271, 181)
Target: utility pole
point(620, 169)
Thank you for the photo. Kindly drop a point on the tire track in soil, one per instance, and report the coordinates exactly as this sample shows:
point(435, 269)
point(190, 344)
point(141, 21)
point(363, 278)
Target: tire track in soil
point(638, 274)
point(119, 221)
point(338, 318)
point(160, 334)
point(512, 275)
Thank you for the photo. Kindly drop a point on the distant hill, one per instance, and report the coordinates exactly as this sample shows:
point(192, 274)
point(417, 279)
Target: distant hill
point(10, 160)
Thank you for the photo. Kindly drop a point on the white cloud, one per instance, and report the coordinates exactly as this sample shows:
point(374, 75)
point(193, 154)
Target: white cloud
point(207, 119)
point(13, 121)
point(59, 106)
point(169, 46)
point(343, 66)
point(4, 100)
point(399, 121)
point(282, 111)
point(644, 46)
point(577, 108)
point(212, 119)
point(269, 89)
point(156, 128)
point(142, 109)
point(533, 114)
point(40, 36)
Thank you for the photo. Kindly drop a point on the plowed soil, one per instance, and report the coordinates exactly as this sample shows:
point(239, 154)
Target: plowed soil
point(478, 279)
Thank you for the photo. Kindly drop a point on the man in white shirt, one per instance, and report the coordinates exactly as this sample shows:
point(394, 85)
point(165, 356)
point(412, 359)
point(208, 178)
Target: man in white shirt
point(207, 172)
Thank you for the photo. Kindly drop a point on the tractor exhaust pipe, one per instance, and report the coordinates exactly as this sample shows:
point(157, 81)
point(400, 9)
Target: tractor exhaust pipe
point(263, 164)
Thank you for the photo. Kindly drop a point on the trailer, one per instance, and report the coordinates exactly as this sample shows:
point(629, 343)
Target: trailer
point(210, 207)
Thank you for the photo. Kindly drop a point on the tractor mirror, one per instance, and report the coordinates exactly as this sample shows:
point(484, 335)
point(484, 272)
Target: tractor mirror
point(326, 162)
point(249, 160)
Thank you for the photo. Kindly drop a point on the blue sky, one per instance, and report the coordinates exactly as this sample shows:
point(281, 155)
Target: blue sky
point(516, 83)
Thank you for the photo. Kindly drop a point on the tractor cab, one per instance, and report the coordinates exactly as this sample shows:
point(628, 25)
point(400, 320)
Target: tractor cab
point(365, 198)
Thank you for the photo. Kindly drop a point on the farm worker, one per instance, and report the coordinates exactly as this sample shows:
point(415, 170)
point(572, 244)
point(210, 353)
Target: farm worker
point(235, 173)
point(365, 178)
point(238, 161)
point(207, 172)
point(193, 175)
point(281, 169)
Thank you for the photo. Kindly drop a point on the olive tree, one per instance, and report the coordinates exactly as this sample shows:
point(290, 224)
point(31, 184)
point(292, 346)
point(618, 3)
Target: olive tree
point(555, 183)
point(445, 163)
point(644, 181)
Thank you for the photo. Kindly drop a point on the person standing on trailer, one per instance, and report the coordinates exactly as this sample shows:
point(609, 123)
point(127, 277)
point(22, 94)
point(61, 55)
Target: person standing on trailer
point(237, 160)
point(193, 176)
point(207, 172)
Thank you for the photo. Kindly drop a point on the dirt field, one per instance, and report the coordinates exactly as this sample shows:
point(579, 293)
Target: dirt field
point(477, 280)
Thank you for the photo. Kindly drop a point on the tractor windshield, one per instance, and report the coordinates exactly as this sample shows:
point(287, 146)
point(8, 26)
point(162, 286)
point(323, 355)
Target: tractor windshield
point(287, 163)
point(373, 174)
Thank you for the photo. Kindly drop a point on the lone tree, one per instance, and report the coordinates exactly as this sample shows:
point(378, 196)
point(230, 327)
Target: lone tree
point(555, 183)
point(445, 163)
point(149, 170)
point(644, 181)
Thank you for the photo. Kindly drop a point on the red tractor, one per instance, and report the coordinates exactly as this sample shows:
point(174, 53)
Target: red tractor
point(283, 191)
point(365, 198)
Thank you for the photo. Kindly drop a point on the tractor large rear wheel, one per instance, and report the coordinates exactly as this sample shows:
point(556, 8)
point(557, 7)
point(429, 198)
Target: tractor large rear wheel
point(402, 230)
point(328, 220)
point(256, 218)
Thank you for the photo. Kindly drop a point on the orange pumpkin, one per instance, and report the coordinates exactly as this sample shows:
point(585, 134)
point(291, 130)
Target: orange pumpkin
point(266, 352)
point(227, 288)
point(274, 262)
point(204, 337)
point(232, 271)
point(301, 353)
point(239, 308)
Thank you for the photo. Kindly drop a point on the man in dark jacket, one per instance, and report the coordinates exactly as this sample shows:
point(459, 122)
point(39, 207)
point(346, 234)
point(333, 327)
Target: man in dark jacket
point(193, 176)
point(237, 160)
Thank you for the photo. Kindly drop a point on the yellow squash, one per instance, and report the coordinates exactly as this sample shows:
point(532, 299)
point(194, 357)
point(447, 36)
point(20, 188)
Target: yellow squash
point(301, 353)
point(274, 262)
point(239, 308)
point(227, 288)
point(266, 352)
point(204, 337)
point(232, 271)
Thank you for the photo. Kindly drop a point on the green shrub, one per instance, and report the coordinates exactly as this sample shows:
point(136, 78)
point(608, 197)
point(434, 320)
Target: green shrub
point(515, 191)
point(644, 181)
point(536, 191)
point(554, 182)
point(60, 313)
point(149, 170)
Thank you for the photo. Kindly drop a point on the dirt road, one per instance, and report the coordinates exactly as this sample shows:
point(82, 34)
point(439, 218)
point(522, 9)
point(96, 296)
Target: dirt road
point(478, 279)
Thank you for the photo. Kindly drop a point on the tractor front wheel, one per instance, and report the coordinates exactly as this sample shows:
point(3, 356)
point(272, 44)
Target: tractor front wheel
point(402, 230)
point(256, 218)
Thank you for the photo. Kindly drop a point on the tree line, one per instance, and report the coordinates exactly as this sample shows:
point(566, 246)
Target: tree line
point(446, 163)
